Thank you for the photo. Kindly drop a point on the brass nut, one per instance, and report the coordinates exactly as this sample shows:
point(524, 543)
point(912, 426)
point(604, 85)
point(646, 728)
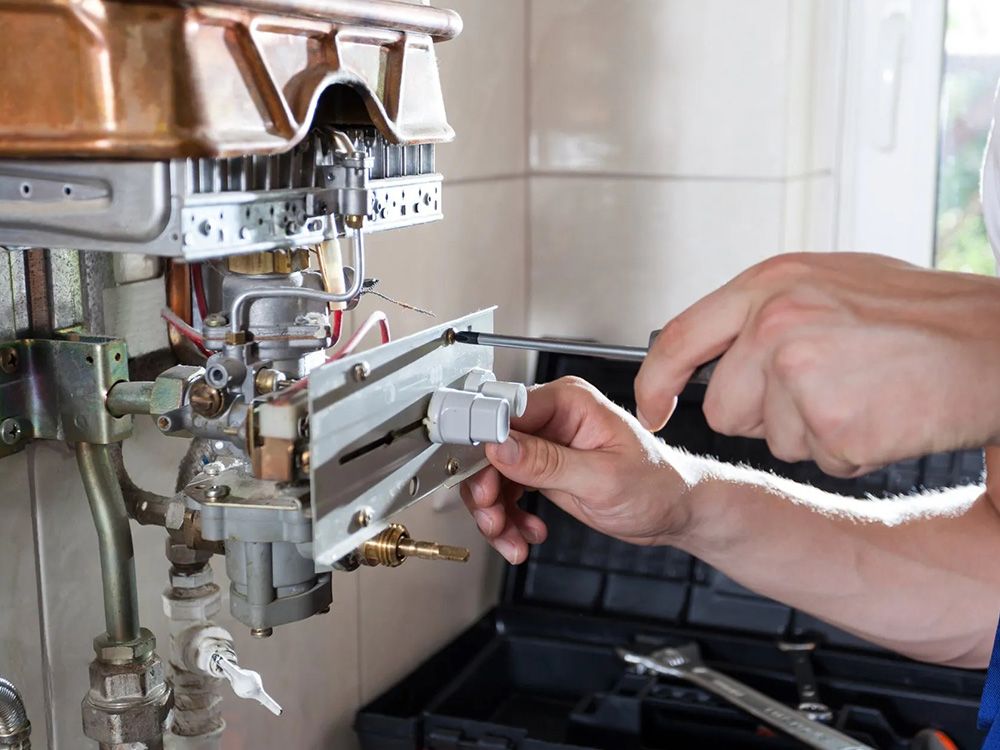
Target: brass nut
point(9, 360)
point(237, 338)
point(267, 380)
point(129, 652)
point(206, 400)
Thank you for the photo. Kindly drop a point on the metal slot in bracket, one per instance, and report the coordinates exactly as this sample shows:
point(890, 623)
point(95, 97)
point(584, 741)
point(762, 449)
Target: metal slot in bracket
point(54, 389)
point(355, 494)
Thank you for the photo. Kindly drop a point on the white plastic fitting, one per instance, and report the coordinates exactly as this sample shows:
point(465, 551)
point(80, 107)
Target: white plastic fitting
point(486, 383)
point(465, 418)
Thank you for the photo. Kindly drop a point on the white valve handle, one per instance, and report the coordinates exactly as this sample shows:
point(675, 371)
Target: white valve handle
point(245, 682)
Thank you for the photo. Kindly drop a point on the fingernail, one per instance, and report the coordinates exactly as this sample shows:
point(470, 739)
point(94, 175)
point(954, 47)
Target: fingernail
point(642, 419)
point(477, 491)
point(508, 549)
point(484, 521)
point(531, 535)
point(509, 451)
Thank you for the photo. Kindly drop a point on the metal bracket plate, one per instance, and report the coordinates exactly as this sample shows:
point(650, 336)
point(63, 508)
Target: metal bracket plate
point(55, 389)
point(370, 456)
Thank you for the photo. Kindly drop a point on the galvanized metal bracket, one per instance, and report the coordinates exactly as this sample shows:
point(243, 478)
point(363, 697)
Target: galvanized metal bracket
point(55, 389)
point(370, 456)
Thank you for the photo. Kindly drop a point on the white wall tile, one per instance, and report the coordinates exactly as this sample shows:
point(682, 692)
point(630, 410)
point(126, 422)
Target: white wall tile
point(810, 214)
point(483, 73)
point(20, 639)
point(474, 258)
point(614, 259)
point(673, 87)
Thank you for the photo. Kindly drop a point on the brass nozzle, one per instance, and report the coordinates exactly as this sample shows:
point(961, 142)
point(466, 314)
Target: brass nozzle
point(393, 545)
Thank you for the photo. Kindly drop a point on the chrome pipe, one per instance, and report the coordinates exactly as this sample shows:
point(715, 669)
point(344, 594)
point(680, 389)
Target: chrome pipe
point(121, 607)
point(239, 311)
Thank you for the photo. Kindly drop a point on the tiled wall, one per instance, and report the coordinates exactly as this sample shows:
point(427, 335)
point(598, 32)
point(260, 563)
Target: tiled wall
point(672, 143)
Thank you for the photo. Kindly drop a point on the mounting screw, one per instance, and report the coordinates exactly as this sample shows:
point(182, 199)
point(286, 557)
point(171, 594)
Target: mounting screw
point(362, 518)
point(8, 360)
point(452, 467)
point(261, 632)
point(361, 372)
point(449, 336)
point(216, 320)
point(10, 431)
point(217, 492)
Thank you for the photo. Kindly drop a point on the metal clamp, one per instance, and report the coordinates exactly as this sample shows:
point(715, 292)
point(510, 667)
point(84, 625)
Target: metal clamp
point(55, 389)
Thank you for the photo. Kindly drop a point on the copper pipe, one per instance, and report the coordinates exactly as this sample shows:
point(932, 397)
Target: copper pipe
point(179, 300)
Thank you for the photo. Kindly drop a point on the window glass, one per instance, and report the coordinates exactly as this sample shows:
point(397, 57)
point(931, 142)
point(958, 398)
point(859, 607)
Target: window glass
point(972, 68)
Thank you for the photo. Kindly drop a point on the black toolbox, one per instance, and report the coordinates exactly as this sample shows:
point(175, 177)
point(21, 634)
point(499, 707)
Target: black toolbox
point(540, 672)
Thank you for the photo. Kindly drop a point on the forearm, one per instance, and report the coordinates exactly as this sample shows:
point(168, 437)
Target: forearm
point(919, 575)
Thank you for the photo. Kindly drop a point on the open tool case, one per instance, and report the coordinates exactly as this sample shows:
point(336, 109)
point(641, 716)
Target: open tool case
point(539, 672)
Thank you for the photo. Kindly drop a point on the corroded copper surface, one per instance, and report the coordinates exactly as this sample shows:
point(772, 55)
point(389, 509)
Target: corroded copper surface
point(155, 80)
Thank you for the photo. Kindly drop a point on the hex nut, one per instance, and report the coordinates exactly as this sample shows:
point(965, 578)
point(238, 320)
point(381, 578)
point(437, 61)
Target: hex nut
point(127, 703)
point(170, 389)
point(110, 652)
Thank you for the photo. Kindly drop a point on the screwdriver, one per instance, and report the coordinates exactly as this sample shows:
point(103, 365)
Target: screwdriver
point(558, 346)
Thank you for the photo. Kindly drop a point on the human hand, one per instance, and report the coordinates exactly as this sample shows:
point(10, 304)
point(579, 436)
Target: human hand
point(592, 459)
point(848, 359)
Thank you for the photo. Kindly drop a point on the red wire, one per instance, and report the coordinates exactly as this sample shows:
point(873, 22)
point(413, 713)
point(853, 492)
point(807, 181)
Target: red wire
point(198, 282)
point(338, 325)
point(348, 348)
point(194, 338)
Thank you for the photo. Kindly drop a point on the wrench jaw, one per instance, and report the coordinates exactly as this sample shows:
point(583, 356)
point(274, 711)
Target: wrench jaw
point(672, 662)
point(816, 712)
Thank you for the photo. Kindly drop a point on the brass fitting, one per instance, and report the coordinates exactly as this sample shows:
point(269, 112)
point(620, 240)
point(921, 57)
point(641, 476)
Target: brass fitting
point(206, 400)
point(267, 380)
point(237, 338)
point(269, 262)
point(393, 545)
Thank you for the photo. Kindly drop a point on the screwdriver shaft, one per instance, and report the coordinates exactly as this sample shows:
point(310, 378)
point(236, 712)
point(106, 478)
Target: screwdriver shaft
point(556, 346)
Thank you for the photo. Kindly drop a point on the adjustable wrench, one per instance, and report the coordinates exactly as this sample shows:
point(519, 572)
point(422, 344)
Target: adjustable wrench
point(685, 662)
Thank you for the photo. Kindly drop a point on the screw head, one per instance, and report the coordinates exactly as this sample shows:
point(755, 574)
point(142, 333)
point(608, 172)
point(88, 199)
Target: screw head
point(217, 492)
point(362, 518)
point(10, 431)
point(8, 360)
point(452, 467)
point(216, 320)
point(361, 372)
point(164, 423)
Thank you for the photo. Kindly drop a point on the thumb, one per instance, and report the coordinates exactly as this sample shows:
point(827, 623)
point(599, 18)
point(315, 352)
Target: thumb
point(534, 462)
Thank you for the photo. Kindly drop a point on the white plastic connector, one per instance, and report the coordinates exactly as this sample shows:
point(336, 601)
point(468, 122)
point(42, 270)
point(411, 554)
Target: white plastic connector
point(464, 418)
point(486, 383)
